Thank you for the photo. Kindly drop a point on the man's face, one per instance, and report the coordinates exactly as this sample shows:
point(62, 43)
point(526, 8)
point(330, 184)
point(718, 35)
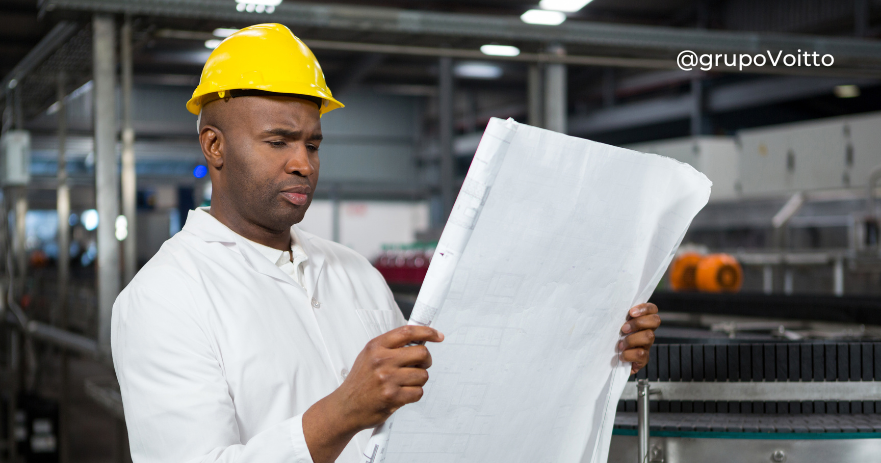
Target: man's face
point(270, 158)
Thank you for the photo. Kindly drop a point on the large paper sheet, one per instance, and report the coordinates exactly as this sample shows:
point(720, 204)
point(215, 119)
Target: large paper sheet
point(552, 239)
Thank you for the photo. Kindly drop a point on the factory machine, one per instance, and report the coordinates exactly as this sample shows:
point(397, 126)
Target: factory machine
point(791, 378)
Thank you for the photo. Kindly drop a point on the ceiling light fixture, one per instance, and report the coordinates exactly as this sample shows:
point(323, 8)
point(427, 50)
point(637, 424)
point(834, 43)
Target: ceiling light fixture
point(568, 6)
point(846, 91)
point(477, 70)
point(212, 44)
point(224, 32)
point(499, 50)
point(543, 17)
point(257, 6)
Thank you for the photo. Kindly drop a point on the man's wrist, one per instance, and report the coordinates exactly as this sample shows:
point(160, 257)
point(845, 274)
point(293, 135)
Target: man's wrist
point(327, 429)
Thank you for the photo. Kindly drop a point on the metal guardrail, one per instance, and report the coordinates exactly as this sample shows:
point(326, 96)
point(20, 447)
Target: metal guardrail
point(57, 336)
point(764, 391)
point(105, 391)
point(641, 391)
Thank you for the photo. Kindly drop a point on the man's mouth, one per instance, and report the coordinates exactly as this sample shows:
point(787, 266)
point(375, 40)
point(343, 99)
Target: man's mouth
point(297, 195)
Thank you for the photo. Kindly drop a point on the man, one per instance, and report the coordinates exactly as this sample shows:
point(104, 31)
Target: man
point(246, 339)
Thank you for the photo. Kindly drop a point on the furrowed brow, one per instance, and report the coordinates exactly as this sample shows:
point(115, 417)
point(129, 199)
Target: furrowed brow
point(294, 134)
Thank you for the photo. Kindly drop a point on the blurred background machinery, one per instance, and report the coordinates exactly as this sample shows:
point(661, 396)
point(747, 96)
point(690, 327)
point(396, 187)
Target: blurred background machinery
point(775, 293)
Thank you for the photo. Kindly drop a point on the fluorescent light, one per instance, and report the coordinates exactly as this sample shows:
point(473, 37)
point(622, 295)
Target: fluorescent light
point(258, 6)
point(847, 91)
point(261, 2)
point(89, 219)
point(569, 6)
point(121, 228)
point(500, 50)
point(477, 70)
point(212, 44)
point(224, 32)
point(543, 17)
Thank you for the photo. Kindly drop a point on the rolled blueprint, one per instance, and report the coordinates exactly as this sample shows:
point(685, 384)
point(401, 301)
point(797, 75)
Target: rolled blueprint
point(572, 235)
point(457, 231)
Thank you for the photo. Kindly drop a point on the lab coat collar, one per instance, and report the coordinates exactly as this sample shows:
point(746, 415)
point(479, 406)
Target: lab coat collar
point(203, 225)
point(315, 264)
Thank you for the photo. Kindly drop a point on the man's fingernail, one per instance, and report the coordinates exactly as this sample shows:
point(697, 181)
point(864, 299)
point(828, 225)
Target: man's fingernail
point(441, 335)
point(626, 328)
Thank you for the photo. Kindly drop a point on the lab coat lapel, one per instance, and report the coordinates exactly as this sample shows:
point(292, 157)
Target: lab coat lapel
point(261, 264)
point(205, 226)
point(315, 263)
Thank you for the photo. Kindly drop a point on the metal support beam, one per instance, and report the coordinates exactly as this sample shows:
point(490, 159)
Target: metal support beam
point(358, 72)
point(63, 207)
point(555, 94)
point(335, 212)
point(767, 279)
point(47, 45)
point(838, 277)
point(20, 243)
point(642, 413)
point(726, 98)
point(651, 39)
point(445, 133)
point(788, 281)
point(106, 174)
point(608, 89)
point(699, 118)
point(534, 93)
point(861, 14)
point(129, 175)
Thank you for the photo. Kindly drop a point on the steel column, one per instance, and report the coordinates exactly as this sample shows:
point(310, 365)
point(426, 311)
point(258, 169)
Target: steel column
point(642, 412)
point(21, 258)
point(335, 212)
point(534, 89)
point(555, 94)
point(788, 280)
point(699, 118)
point(129, 175)
point(838, 276)
point(63, 206)
point(106, 174)
point(445, 133)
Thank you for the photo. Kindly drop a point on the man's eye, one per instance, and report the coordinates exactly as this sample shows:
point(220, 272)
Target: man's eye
point(312, 148)
point(277, 144)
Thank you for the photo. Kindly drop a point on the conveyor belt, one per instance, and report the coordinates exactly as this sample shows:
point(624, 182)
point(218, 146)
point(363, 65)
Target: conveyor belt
point(779, 362)
point(852, 361)
point(747, 423)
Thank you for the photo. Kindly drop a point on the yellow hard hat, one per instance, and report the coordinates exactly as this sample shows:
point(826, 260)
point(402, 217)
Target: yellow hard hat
point(262, 58)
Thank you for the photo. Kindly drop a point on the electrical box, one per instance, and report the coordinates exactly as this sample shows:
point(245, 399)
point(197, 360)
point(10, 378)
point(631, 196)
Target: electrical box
point(814, 155)
point(716, 157)
point(15, 158)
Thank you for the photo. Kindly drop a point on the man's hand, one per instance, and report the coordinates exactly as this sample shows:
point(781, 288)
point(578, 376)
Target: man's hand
point(387, 375)
point(642, 321)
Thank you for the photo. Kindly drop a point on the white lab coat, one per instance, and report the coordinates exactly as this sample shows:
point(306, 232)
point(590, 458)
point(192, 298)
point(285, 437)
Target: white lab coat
point(218, 352)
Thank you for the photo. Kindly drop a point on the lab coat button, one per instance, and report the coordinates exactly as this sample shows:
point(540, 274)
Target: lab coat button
point(315, 303)
point(344, 372)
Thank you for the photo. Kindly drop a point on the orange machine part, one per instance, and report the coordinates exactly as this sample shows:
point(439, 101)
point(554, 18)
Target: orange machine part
point(683, 275)
point(718, 273)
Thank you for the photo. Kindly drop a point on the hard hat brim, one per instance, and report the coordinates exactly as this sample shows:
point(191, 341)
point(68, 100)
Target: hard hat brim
point(329, 103)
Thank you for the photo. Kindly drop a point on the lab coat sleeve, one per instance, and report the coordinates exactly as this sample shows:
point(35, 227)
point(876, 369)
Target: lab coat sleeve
point(176, 400)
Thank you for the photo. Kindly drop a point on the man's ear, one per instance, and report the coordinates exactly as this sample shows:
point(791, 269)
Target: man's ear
point(211, 139)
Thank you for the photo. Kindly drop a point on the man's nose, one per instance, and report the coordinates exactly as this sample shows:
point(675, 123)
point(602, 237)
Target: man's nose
point(298, 162)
